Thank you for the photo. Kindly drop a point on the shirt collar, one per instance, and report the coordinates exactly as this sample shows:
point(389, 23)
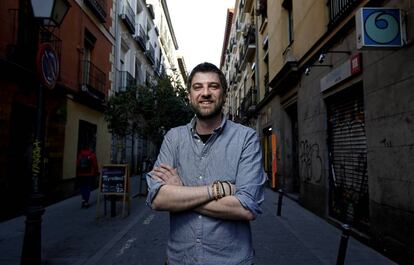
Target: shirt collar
point(219, 129)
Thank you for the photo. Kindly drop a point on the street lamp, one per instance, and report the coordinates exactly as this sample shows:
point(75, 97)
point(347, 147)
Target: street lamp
point(51, 14)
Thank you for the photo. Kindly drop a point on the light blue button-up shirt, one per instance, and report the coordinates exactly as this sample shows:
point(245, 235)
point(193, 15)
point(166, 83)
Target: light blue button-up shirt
point(232, 153)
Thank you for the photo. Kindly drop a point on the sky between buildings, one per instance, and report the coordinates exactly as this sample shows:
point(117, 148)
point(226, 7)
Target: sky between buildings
point(199, 28)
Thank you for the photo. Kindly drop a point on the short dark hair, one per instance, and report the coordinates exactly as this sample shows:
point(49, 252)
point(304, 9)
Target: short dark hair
point(205, 68)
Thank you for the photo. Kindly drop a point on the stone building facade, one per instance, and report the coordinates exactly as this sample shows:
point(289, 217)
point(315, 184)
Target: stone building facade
point(335, 114)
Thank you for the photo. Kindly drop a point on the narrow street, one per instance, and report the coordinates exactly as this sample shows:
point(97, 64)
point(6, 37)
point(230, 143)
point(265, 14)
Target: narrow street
point(73, 236)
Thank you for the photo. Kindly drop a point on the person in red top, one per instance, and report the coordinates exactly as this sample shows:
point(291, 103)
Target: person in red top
point(86, 171)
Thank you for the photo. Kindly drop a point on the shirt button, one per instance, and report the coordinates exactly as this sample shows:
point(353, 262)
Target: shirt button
point(199, 217)
point(200, 177)
point(198, 240)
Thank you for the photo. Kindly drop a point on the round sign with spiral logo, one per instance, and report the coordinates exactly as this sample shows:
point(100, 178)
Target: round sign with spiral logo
point(382, 27)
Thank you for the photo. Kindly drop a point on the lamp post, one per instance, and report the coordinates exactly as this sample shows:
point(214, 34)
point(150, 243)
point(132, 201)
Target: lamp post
point(50, 13)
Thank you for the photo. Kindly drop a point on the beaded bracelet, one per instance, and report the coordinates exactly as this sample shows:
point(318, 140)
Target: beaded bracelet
point(218, 191)
point(222, 189)
point(230, 187)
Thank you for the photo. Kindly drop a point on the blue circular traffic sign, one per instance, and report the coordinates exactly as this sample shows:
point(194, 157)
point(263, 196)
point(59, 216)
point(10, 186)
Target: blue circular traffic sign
point(47, 62)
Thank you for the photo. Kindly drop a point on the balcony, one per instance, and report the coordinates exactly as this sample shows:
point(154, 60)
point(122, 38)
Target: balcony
point(150, 53)
point(141, 38)
point(248, 50)
point(248, 105)
point(340, 9)
point(98, 7)
point(151, 11)
point(128, 17)
point(125, 81)
point(92, 80)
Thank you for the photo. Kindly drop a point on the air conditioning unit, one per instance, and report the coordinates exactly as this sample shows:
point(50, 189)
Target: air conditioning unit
point(380, 27)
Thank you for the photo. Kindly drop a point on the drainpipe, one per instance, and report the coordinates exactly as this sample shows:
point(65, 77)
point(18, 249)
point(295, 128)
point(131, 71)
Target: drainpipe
point(256, 69)
point(117, 43)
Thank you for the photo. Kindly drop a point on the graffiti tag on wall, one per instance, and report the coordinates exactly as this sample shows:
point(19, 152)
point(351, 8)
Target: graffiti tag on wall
point(310, 162)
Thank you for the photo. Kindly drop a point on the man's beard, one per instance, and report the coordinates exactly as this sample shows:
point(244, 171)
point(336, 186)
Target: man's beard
point(203, 115)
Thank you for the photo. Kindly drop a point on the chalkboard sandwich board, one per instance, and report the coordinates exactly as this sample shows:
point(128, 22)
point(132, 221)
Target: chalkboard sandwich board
point(114, 181)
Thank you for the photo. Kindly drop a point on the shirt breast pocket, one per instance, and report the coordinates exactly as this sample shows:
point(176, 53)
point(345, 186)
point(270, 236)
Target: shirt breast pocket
point(226, 168)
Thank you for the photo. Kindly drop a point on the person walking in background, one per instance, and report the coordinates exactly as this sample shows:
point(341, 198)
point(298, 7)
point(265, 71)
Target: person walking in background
point(209, 176)
point(86, 171)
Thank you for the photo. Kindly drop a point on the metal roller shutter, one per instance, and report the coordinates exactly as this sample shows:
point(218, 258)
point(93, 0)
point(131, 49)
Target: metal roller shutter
point(348, 154)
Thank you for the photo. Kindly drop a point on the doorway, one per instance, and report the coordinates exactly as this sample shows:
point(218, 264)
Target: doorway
point(87, 135)
point(293, 172)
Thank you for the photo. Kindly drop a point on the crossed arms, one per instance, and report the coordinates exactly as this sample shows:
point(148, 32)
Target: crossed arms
point(175, 197)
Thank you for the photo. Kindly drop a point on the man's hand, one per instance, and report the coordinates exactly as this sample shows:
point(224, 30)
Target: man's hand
point(167, 174)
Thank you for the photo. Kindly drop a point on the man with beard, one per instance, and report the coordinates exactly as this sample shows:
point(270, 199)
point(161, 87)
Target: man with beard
point(209, 176)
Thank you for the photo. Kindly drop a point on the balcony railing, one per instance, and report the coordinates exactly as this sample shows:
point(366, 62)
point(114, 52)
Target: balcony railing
point(339, 9)
point(128, 17)
point(158, 68)
point(151, 11)
point(249, 102)
point(92, 80)
point(98, 7)
point(249, 47)
point(150, 53)
point(141, 38)
point(125, 81)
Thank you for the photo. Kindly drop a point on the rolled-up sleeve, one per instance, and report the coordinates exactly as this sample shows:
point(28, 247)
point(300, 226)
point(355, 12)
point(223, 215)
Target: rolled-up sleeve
point(166, 157)
point(153, 188)
point(250, 176)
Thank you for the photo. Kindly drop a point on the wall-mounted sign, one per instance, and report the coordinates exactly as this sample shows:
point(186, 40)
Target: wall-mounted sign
point(356, 64)
point(47, 63)
point(350, 67)
point(379, 27)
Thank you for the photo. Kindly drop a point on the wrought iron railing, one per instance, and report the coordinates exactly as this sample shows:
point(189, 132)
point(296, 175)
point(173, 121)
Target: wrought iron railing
point(150, 53)
point(339, 9)
point(249, 101)
point(98, 7)
point(93, 80)
point(249, 43)
point(125, 81)
point(141, 38)
point(128, 17)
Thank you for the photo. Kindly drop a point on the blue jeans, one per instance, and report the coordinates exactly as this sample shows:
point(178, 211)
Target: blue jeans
point(86, 185)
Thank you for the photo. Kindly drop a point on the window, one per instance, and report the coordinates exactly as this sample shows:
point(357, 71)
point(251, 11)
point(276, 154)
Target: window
point(89, 43)
point(287, 5)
